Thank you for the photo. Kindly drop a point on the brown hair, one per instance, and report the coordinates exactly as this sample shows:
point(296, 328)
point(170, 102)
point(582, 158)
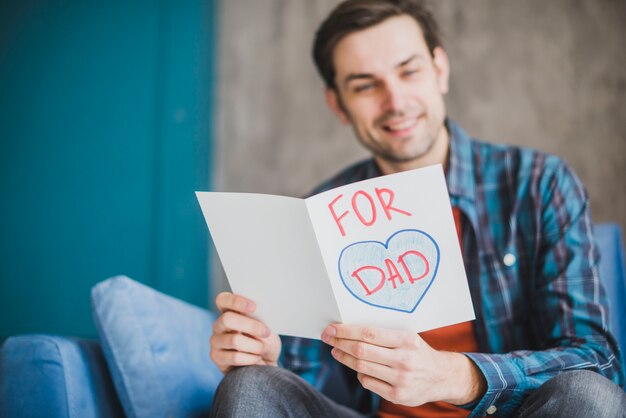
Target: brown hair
point(355, 15)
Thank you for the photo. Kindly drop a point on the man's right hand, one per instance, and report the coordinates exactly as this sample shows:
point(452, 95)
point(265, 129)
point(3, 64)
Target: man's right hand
point(238, 339)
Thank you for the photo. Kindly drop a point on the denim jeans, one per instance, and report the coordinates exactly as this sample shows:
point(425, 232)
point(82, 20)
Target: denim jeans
point(263, 391)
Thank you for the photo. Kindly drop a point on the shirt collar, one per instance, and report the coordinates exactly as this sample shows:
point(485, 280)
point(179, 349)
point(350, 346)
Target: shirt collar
point(460, 167)
point(371, 169)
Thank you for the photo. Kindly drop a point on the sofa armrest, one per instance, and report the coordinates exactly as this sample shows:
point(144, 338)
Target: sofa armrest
point(613, 276)
point(55, 376)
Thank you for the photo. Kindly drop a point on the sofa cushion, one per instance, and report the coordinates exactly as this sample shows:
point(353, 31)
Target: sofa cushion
point(46, 375)
point(157, 349)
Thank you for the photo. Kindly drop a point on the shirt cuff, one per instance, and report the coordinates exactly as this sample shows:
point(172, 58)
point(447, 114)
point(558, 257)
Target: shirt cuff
point(505, 385)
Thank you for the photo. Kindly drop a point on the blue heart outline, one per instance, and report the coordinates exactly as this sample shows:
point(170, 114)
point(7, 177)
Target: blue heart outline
point(386, 245)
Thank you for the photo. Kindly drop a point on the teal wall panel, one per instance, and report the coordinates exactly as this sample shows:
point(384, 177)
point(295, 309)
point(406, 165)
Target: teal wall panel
point(105, 132)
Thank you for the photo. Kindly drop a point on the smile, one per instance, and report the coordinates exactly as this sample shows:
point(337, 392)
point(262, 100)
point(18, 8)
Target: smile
point(400, 126)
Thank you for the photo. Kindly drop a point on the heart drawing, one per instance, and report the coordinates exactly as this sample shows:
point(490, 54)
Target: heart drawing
point(392, 275)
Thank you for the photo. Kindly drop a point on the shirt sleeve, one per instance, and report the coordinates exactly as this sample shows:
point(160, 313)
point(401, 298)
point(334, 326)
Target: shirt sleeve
point(571, 318)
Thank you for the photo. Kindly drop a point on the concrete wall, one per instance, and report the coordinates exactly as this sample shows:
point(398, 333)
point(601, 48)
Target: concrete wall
point(542, 74)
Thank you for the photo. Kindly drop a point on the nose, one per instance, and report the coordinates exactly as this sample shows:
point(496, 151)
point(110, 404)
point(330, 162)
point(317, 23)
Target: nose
point(394, 96)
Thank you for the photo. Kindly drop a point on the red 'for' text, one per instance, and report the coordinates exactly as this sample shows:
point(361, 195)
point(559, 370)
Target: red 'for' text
point(365, 207)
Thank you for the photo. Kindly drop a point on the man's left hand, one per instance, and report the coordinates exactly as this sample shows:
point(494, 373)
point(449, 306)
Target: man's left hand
point(402, 368)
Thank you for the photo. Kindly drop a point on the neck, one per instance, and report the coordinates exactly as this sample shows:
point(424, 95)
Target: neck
point(437, 154)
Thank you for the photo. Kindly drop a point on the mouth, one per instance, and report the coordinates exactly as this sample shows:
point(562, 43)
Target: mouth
point(400, 127)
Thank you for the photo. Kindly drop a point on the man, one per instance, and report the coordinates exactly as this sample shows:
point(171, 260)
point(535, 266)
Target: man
point(540, 345)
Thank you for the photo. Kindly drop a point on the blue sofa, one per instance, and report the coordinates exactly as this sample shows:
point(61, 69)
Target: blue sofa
point(157, 364)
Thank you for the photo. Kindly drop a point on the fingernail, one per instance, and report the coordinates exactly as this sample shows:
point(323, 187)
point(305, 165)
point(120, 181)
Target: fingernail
point(250, 306)
point(330, 331)
point(267, 332)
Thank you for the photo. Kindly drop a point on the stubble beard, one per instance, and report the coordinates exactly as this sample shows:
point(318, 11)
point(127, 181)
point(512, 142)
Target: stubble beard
point(378, 149)
point(420, 148)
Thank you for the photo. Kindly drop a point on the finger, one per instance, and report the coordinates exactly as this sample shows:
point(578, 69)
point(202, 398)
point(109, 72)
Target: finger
point(237, 342)
point(227, 301)
point(364, 351)
point(369, 368)
point(235, 322)
point(377, 336)
point(227, 358)
point(379, 387)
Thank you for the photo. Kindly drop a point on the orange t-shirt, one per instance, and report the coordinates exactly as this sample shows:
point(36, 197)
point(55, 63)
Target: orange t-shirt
point(458, 338)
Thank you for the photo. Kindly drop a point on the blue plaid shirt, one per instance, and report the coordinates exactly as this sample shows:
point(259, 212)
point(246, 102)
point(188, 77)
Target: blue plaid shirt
point(532, 267)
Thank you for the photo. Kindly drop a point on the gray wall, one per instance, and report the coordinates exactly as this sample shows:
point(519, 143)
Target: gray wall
point(544, 74)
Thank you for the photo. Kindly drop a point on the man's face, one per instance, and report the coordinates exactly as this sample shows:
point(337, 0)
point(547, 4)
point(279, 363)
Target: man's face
point(390, 89)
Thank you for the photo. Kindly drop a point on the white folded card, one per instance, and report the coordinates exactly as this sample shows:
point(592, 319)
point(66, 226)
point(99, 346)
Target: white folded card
point(382, 252)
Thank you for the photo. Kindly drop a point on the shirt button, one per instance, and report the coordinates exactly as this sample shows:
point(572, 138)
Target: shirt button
point(492, 409)
point(509, 259)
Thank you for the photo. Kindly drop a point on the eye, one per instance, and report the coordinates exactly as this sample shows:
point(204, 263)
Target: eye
point(410, 72)
point(363, 87)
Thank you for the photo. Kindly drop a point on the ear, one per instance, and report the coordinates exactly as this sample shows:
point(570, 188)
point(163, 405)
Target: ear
point(442, 68)
point(334, 103)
